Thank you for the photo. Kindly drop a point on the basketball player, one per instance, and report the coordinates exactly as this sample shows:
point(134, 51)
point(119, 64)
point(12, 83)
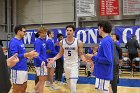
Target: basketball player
point(103, 60)
point(40, 61)
point(71, 47)
point(19, 71)
point(51, 48)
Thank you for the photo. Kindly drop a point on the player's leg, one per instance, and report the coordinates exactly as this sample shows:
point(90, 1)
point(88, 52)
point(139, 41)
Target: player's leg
point(19, 79)
point(73, 83)
point(41, 72)
point(73, 79)
point(23, 87)
point(16, 88)
point(41, 84)
point(102, 85)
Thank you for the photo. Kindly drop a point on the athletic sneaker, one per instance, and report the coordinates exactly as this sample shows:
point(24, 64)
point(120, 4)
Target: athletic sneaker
point(54, 88)
point(60, 83)
point(47, 84)
point(34, 91)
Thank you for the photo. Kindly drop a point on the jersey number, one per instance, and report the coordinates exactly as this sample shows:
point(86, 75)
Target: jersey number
point(69, 53)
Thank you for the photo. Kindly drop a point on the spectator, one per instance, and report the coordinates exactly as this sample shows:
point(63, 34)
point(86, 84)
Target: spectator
point(117, 58)
point(132, 46)
point(5, 83)
point(1, 44)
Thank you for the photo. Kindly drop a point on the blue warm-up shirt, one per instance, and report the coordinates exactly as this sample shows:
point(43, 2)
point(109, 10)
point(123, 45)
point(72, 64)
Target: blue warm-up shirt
point(103, 66)
point(57, 49)
point(50, 46)
point(90, 50)
point(118, 43)
point(40, 47)
point(17, 46)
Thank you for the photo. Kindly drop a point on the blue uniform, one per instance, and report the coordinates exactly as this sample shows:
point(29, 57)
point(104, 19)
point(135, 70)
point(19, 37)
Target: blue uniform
point(90, 51)
point(17, 46)
point(103, 66)
point(118, 43)
point(57, 49)
point(50, 46)
point(40, 47)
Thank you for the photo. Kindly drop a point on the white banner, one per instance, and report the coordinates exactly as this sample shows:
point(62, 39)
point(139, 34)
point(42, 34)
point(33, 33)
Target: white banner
point(85, 8)
point(131, 7)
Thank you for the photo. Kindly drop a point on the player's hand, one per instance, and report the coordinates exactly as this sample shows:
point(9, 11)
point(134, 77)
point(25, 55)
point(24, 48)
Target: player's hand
point(94, 53)
point(31, 54)
point(120, 62)
point(12, 60)
point(88, 57)
point(49, 65)
point(50, 60)
point(42, 64)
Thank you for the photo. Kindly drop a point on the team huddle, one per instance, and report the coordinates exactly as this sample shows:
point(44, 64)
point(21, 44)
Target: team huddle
point(70, 50)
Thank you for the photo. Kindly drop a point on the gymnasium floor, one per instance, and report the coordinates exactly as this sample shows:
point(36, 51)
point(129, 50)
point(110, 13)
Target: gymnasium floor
point(128, 84)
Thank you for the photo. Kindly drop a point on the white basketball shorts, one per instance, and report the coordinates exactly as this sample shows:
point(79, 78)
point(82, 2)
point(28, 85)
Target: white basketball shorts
point(19, 76)
point(102, 84)
point(71, 72)
point(41, 71)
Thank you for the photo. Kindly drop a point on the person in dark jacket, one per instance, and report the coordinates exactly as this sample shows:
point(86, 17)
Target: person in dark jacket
point(132, 46)
point(117, 59)
point(1, 43)
point(5, 83)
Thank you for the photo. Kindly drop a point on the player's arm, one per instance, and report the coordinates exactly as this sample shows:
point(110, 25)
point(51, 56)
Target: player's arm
point(80, 49)
point(12, 60)
point(85, 58)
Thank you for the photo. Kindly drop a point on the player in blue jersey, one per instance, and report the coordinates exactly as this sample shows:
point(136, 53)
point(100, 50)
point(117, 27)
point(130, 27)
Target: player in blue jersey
point(50, 49)
point(103, 60)
point(59, 62)
point(40, 61)
point(19, 71)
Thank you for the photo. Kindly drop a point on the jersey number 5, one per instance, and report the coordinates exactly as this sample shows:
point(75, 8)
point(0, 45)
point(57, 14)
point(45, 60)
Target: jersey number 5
point(69, 53)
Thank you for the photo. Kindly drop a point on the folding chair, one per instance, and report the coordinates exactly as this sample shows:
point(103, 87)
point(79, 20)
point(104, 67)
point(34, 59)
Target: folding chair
point(136, 65)
point(83, 67)
point(126, 65)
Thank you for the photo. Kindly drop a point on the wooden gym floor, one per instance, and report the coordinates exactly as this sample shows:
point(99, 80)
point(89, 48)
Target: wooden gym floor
point(87, 88)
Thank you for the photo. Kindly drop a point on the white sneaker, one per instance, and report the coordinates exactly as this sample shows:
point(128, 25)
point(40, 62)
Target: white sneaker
point(56, 82)
point(60, 83)
point(34, 91)
point(47, 84)
point(54, 88)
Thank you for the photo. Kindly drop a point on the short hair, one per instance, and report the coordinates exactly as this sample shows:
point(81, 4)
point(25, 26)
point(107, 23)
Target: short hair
point(49, 32)
point(59, 34)
point(42, 29)
point(117, 36)
point(70, 26)
point(37, 35)
point(18, 27)
point(134, 36)
point(107, 27)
